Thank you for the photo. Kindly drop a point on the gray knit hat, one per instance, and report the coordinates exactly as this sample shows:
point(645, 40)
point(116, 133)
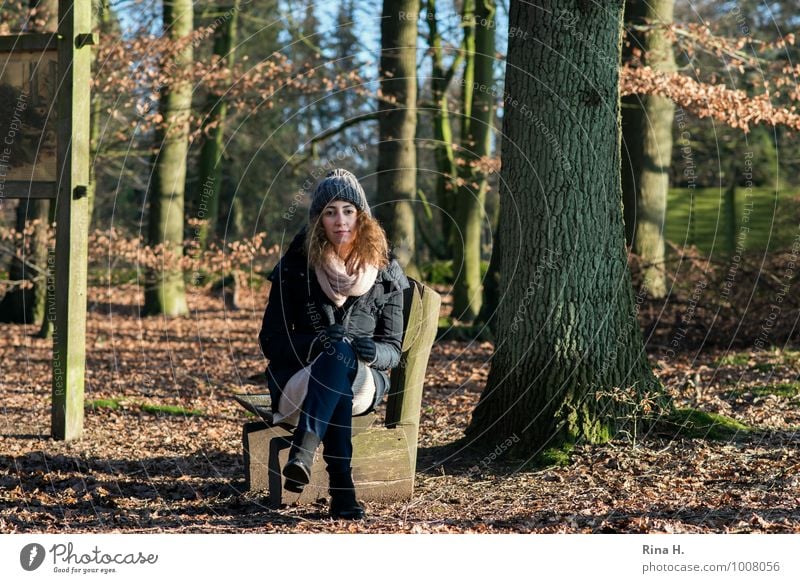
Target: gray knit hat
point(338, 184)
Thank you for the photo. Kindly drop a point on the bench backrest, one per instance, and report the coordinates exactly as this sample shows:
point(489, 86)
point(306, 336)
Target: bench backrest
point(421, 319)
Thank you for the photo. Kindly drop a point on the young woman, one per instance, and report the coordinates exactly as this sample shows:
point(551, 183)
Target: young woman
point(332, 329)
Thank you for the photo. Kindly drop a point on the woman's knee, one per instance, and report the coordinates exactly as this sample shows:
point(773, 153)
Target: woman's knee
point(339, 351)
point(339, 356)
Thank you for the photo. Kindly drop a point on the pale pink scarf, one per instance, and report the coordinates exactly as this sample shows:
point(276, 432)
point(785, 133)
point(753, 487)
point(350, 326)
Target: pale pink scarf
point(338, 284)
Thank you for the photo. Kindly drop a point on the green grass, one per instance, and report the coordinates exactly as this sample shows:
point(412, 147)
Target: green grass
point(701, 425)
point(786, 390)
point(770, 219)
point(115, 403)
point(763, 366)
point(790, 357)
point(555, 456)
point(441, 272)
point(734, 359)
point(782, 358)
point(112, 404)
point(170, 410)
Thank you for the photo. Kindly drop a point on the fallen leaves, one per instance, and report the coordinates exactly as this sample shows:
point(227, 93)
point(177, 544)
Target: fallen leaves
point(137, 472)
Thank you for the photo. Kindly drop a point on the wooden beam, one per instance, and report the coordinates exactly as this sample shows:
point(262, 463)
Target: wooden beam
point(72, 229)
point(40, 41)
point(22, 189)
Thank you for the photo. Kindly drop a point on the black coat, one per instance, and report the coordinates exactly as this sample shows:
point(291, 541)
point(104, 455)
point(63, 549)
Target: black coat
point(298, 311)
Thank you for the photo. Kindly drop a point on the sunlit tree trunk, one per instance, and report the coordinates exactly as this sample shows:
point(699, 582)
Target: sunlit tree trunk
point(210, 170)
point(165, 291)
point(446, 169)
point(647, 144)
point(397, 157)
point(475, 146)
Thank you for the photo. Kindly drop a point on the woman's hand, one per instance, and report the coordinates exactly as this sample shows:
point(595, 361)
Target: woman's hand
point(334, 333)
point(365, 348)
point(324, 340)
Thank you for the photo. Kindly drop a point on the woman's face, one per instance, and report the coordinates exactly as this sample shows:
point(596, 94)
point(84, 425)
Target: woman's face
point(339, 221)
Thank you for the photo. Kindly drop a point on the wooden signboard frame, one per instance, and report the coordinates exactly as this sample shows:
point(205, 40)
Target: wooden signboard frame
point(30, 71)
point(73, 43)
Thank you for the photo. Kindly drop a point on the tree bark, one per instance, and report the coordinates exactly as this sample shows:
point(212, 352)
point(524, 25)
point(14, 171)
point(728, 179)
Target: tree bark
point(568, 338)
point(475, 145)
point(210, 171)
point(447, 171)
point(165, 292)
point(397, 157)
point(647, 150)
point(103, 22)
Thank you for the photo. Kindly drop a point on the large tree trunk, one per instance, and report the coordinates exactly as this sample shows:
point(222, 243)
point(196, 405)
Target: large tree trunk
point(475, 145)
point(28, 305)
point(210, 171)
point(397, 157)
point(647, 149)
point(567, 333)
point(165, 291)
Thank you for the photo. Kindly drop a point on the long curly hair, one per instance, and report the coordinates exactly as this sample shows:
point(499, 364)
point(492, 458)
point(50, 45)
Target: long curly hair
point(370, 245)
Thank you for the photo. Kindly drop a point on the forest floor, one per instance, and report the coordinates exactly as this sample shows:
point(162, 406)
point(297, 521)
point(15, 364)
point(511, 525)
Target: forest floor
point(139, 468)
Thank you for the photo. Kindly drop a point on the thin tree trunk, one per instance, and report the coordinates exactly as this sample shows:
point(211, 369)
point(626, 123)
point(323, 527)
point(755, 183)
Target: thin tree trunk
point(568, 339)
point(397, 157)
point(491, 286)
point(447, 171)
point(730, 209)
point(647, 134)
point(102, 19)
point(475, 145)
point(210, 171)
point(165, 291)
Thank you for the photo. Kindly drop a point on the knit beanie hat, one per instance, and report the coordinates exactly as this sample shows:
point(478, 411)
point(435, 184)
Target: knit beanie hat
point(338, 184)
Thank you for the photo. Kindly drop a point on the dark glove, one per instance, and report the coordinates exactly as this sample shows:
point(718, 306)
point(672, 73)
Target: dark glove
point(333, 333)
point(324, 340)
point(365, 348)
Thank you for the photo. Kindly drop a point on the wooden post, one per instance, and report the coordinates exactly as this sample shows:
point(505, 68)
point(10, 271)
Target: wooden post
point(72, 220)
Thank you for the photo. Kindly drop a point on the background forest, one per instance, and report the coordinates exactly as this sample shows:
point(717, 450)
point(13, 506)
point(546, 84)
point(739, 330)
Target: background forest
point(663, 191)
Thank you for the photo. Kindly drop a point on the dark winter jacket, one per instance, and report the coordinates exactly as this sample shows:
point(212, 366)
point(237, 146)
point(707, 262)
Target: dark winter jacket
point(298, 312)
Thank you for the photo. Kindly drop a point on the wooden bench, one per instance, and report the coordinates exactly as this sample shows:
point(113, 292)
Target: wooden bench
point(384, 457)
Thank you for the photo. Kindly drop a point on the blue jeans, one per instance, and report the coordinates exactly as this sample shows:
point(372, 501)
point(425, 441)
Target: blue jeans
point(327, 410)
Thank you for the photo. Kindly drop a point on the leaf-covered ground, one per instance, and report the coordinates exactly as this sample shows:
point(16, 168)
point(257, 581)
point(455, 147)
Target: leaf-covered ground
point(139, 468)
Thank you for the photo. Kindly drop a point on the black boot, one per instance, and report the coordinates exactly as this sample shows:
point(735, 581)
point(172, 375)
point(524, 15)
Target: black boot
point(343, 497)
point(301, 457)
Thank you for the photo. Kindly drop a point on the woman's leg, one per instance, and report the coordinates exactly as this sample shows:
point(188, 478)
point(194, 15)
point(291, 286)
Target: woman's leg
point(338, 454)
point(338, 440)
point(329, 388)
